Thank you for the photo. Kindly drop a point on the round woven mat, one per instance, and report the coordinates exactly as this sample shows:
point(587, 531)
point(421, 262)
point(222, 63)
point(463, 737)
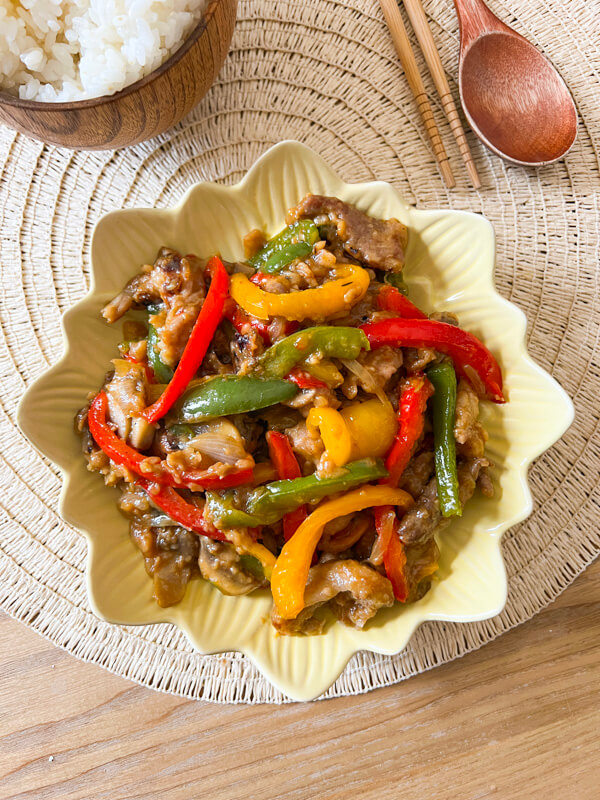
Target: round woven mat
point(325, 73)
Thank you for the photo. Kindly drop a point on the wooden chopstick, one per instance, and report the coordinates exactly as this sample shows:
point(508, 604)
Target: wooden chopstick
point(395, 23)
point(418, 20)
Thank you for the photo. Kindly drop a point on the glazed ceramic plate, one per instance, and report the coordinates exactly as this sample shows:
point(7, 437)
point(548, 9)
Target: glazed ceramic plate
point(450, 262)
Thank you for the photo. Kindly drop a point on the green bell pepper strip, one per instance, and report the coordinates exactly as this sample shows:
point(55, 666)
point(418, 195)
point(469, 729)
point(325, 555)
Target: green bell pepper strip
point(162, 372)
point(220, 508)
point(268, 504)
point(396, 279)
point(182, 431)
point(283, 496)
point(328, 340)
point(284, 256)
point(295, 241)
point(443, 378)
point(252, 565)
point(231, 394)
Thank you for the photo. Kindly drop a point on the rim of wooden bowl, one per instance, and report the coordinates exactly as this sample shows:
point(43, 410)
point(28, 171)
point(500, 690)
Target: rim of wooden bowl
point(105, 99)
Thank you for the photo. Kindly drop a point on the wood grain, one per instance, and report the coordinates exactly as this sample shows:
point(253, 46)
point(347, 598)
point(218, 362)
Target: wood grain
point(140, 111)
point(517, 719)
point(512, 96)
point(418, 20)
point(405, 53)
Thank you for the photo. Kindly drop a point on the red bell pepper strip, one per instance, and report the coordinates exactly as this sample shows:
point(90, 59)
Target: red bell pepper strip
point(394, 554)
point(239, 319)
point(259, 278)
point(304, 380)
point(287, 467)
point(291, 523)
point(107, 440)
point(186, 514)
point(200, 479)
point(394, 562)
point(414, 394)
point(471, 357)
point(203, 331)
point(390, 299)
point(123, 455)
point(282, 455)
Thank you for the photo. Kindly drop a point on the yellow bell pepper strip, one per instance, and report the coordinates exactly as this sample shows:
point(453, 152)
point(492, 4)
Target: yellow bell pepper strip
point(361, 430)
point(347, 288)
point(334, 433)
point(290, 573)
point(372, 426)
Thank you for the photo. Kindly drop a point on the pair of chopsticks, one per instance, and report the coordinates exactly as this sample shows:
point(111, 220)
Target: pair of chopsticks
point(403, 47)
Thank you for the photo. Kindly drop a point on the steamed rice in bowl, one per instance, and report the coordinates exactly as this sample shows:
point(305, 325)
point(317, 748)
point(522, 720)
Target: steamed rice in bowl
point(69, 50)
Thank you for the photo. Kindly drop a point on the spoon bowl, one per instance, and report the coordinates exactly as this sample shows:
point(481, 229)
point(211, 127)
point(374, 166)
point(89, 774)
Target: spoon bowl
point(513, 97)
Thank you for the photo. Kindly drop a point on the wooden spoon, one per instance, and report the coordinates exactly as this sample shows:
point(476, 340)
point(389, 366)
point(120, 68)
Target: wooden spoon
point(514, 99)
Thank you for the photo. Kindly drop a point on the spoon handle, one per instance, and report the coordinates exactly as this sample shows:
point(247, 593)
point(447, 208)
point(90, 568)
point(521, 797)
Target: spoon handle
point(474, 19)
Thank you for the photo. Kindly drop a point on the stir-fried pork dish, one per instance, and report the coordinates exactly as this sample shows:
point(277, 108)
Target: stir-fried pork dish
point(291, 421)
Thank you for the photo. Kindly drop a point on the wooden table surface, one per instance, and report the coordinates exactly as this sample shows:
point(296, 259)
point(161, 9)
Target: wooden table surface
point(519, 719)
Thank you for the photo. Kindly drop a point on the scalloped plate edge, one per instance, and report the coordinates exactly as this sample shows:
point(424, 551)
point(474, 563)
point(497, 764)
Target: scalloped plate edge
point(562, 420)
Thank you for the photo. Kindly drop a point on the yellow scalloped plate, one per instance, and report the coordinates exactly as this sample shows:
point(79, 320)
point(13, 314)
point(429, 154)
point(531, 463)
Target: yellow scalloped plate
point(450, 263)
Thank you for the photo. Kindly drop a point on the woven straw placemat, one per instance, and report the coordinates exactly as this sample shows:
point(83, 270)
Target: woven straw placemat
point(323, 72)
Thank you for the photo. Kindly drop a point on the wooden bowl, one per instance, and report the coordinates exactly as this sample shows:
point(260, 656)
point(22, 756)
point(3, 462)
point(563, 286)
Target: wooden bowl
point(142, 110)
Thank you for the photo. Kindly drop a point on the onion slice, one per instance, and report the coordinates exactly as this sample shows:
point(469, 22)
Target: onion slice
point(221, 441)
point(368, 382)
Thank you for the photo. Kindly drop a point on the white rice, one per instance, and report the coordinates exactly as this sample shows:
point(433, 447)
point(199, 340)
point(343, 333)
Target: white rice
point(63, 50)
